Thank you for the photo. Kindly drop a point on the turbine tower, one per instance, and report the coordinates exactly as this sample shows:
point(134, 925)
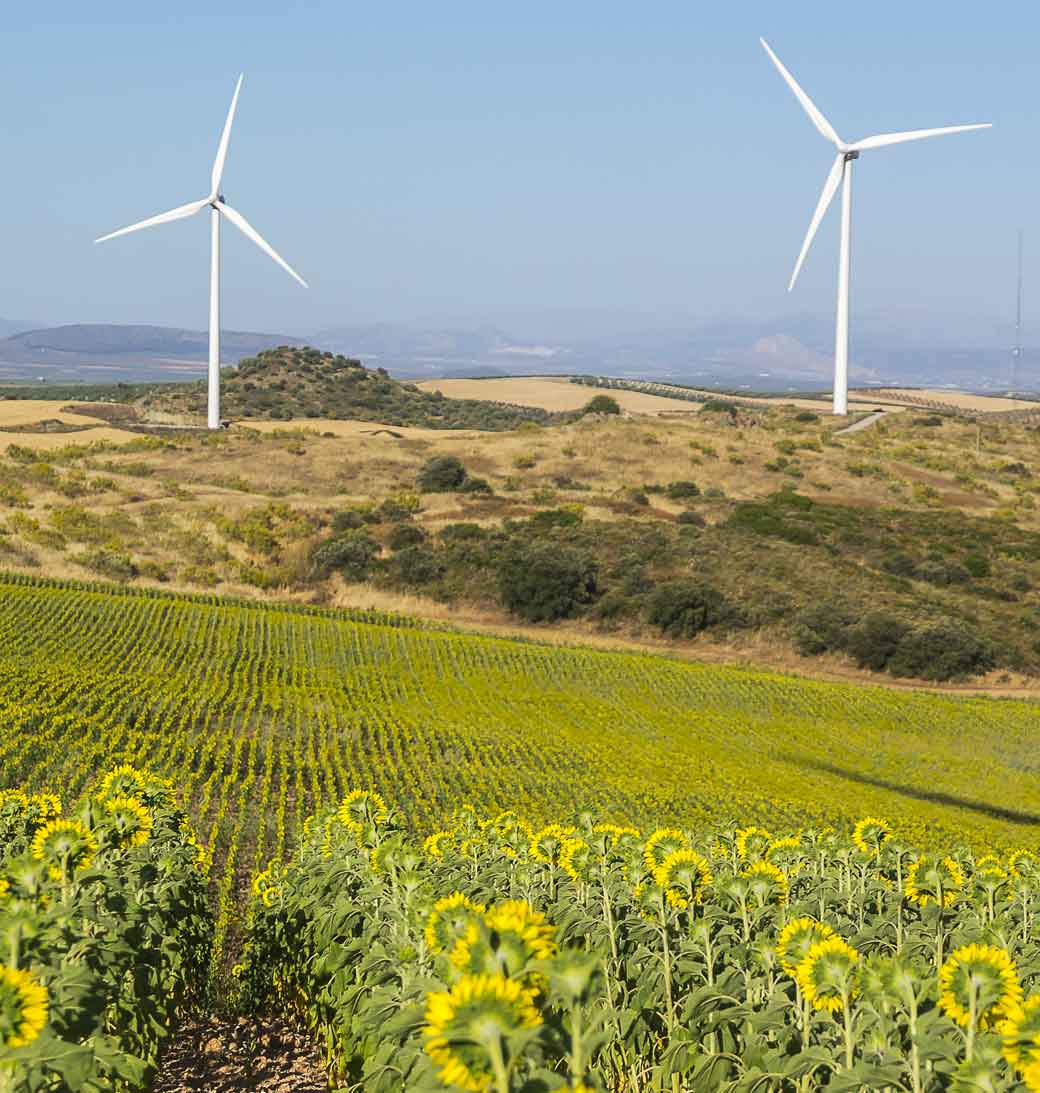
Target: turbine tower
point(218, 208)
point(841, 175)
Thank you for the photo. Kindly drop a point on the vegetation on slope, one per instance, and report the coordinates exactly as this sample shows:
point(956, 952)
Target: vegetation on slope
point(286, 383)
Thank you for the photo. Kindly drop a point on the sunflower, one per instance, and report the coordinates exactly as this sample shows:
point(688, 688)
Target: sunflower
point(664, 841)
point(788, 849)
point(448, 920)
point(506, 939)
point(752, 843)
point(928, 876)
point(129, 822)
point(1024, 864)
point(1031, 1077)
point(361, 807)
point(464, 1025)
point(684, 875)
point(1021, 1033)
point(576, 859)
point(616, 832)
point(768, 882)
point(65, 845)
point(870, 834)
point(45, 806)
point(434, 844)
point(796, 939)
point(978, 986)
point(990, 869)
point(23, 1007)
point(547, 843)
point(827, 974)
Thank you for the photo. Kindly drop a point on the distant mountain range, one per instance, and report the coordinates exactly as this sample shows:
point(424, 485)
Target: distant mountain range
point(793, 354)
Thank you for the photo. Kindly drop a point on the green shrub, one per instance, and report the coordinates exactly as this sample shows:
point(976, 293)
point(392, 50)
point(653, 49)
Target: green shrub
point(874, 639)
point(557, 518)
point(417, 565)
point(601, 404)
point(406, 535)
point(689, 518)
point(978, 565)
point(683, 608)
point(441, 474)
point(720, 406)
point(351, 554)
point(462, 533)
point(806, 415)
point(109, 563)
point(942, 651)
point(542, 582)
point(476, 485)
point(348, 520)
point(678, 491)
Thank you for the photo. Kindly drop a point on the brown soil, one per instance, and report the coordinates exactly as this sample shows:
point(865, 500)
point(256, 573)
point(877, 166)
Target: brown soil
point(227, 1055)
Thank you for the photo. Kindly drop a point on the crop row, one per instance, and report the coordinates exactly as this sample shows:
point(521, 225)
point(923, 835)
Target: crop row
point(262, 715)
point(586, 956)
point(104, 932)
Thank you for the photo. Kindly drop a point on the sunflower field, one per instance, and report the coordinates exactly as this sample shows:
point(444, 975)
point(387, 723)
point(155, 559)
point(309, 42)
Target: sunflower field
point(105, 931)
point(586, 956)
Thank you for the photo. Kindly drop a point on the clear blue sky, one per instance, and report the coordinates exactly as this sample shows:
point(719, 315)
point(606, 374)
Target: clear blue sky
point(471, 161)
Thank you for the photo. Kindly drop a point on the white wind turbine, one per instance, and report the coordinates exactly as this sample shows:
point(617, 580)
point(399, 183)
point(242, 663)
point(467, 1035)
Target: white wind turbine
point(218, 207)
point(841, 173)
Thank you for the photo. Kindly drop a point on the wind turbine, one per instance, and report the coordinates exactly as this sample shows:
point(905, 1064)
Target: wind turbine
point(218, 208)
point(841, 174)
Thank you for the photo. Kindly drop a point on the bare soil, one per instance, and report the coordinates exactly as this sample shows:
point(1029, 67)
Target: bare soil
point(227, 1055)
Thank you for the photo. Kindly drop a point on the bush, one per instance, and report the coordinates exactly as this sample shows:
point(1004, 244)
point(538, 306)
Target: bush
point(821, 629)
point(476, 485)
point(691, 519)
point(441, 474)
point(348, 520)
point(542, 582)
point(557, 518)
point(873, 640)
point(109, 563)
point(679, 490)
point(978, 565)
point(683, 608)
point(351, 554)
point(942, 651)
point(720, 406)
point(462, 533)
point(601, 404)
point(806, 415)
point(417, 565)
point(406, 535)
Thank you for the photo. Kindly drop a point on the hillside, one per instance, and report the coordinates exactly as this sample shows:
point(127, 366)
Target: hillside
point(909, 549)
point(286, 383)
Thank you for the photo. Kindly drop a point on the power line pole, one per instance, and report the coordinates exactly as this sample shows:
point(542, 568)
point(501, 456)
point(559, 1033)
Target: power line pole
point(1016, 353)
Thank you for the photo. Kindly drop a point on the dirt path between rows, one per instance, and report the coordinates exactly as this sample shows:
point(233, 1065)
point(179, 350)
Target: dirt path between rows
point(230, 1055)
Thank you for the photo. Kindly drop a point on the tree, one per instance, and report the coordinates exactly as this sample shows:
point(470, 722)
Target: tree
point(441, 474)
point(543, 581)
point(602, 404)
point(683, 608)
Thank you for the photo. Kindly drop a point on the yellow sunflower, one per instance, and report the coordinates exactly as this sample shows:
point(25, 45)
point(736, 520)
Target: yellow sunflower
point(360, 807)
point(684, 875)
point(65, 845)
point(1024, 864)
point(796, 939)
point(752, 843)
point(978, 986)
point(547, 843)
point(466, 1025)
point(129, 822)
point(928, 876)
point(576, 859)
point(505, 940)
point(23, 1007)
point(768, 882)
point(827, 974)
point(870, 834)
point(1021, 1034)
point(448, 920)
point(661, 843)
point(434, 844)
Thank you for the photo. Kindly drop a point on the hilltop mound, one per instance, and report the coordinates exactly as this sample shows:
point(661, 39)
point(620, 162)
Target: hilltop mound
point(286, 383)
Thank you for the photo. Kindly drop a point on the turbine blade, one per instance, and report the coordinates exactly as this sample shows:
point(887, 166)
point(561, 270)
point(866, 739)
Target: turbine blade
point(250, 232)
point(163, 218)
point(225, 138)
point(817, 118)
point(882, 140)
point(830, 188)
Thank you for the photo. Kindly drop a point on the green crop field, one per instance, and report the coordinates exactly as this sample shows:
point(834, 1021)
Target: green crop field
point(663, 947)
point(262, 715)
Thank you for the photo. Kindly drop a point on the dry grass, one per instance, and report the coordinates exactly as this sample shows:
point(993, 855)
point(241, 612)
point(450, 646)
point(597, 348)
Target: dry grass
point(547, 393)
